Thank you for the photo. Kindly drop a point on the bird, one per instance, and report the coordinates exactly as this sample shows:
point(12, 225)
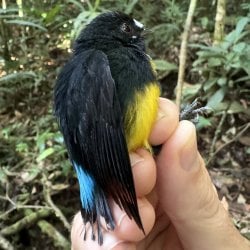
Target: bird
point(106, 102)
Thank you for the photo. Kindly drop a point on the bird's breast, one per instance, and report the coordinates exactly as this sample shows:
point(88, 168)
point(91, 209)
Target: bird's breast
point(141, 115)
point(138, 93)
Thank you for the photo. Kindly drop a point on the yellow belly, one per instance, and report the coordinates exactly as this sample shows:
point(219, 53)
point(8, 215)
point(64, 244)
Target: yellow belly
point(140, 117)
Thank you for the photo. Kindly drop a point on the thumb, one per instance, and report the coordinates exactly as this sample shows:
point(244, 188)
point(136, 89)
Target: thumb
point(188, 196)
point(182, 176)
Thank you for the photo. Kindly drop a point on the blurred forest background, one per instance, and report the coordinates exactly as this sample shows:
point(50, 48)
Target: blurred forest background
point(38, 188)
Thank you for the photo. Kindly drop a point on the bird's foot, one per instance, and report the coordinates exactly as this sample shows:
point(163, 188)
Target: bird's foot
point(190, 112)
point(193, 111)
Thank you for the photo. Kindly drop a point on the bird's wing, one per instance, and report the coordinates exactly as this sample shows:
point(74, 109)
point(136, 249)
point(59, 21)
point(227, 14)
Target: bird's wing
point(89, 113)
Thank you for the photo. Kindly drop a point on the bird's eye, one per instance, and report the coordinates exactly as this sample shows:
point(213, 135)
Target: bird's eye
point(126, 28)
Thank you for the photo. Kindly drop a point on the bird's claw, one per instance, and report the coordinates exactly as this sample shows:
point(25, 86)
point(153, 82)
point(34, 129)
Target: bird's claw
point(192, 111)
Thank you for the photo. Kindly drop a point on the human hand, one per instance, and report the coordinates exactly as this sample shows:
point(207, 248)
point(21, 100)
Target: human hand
point(178, 203)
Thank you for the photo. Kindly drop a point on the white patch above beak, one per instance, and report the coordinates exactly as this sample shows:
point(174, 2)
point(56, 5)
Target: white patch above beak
point(138, 24)
point(134, 37)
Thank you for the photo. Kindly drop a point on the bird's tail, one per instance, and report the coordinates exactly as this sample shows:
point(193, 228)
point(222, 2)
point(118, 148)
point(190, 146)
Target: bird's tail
point(93, 216)
point(94, 204)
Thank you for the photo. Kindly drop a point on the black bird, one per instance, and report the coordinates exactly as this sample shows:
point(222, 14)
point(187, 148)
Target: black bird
point(106, 101)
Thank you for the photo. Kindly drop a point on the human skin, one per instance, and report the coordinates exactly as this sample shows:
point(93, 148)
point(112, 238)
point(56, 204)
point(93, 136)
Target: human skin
point(178, 203)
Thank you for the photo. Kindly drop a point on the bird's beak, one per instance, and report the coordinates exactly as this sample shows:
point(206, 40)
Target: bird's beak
point(146, 31)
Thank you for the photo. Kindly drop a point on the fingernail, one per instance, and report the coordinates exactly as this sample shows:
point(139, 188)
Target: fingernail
point(189, 155)
point(113, 247)
point(119, 214)
point(121, 245)
point(135, 158)
point(160, 114)
point(122, 216)
point(162, 111)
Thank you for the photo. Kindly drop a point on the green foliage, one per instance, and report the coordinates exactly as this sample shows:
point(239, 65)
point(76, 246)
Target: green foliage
point(225, 68)
point(81, 21)
point(164, 67)
point(166, 24)
point(25, 23)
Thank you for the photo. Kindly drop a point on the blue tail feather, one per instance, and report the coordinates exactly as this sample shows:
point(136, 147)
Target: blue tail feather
point(87, 186)
point(94, 203)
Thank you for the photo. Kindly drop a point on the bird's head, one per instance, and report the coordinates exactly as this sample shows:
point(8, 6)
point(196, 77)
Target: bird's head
point(114, 27)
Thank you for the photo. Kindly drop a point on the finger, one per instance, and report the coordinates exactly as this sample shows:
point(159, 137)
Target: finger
point(172, 240)
point(166, 123)
point(77, 236)
point(188, 196)
point(126, 231)
point(180, 173)
point(144, 171)
point(111, 241)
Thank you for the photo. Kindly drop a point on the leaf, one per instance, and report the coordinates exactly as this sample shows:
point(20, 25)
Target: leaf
point(236, 107)
point(30, 175)
point(210, 83)
point(216, 98)
point(203, 123)
point(190, 90)
point(198, 62)
point(236, 34)
point(26, 23)
point(3, 177)
point(50, 16)
point(245, 60)
point(17, 76)
point(242, 79)
point(239, 47)
point(241, 25)
point(163, 65)
point(214, 62)
point(8, 16)
point(204, 22)
point(81, 20)
point(6, 90)
point(130, 6)
point(47, 152)
point(59, 138)
point(8, 10)
point(248, 150)
point(222, 81)
point(22, 147)
point(66, 167)
point(208, 49)
point(80, 6)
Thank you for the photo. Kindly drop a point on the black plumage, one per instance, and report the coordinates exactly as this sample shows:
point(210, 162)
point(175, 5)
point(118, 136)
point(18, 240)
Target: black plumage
point(92, 94)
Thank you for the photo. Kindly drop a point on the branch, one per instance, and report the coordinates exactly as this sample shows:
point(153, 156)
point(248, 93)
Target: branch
point(50, 202)
point(217, 133)
point(59, 240)
point(219, 22)
point(5, 244)
point(16, 206)
point(246, 127)
point(183, 52)
point(26, 221)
